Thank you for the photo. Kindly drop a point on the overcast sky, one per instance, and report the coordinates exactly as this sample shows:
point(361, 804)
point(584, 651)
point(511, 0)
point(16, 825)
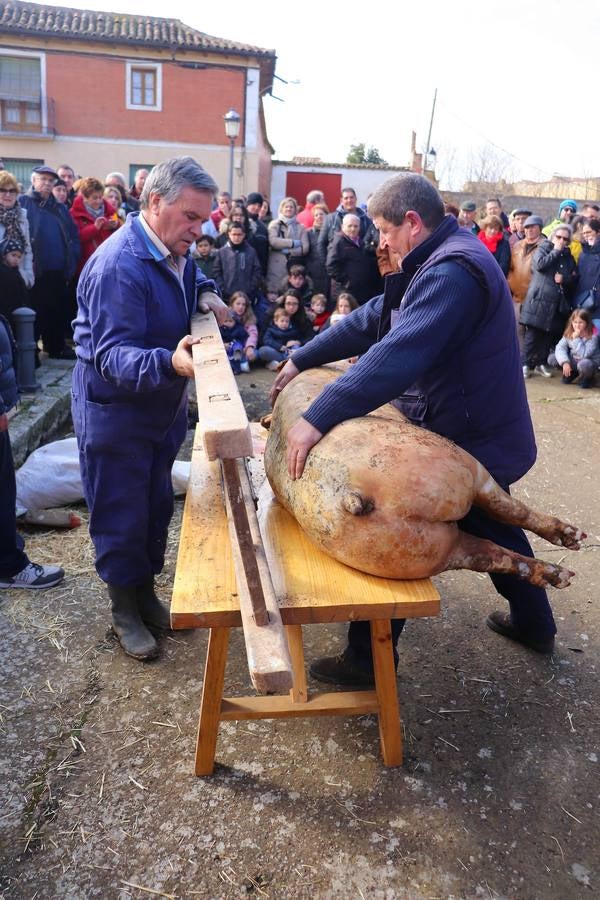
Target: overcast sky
point(508, 76)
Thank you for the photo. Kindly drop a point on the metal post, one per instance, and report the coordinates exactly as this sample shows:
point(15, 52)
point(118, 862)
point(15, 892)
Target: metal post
point(24, 319)
point(231, 148)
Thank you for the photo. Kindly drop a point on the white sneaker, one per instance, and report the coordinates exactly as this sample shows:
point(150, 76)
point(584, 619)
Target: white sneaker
point(245, 366)
point(527, 373)
point(34, 577)
point(544, 371)
point(272, 366)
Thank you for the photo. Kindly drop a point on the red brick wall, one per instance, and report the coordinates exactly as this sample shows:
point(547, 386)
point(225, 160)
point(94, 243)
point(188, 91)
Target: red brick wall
point(89, 96)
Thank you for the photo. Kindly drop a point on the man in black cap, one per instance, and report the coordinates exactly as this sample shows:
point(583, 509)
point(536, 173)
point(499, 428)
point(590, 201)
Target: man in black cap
point(55, 245)
point(260, 235)
point(468, 214)
point(517, 221)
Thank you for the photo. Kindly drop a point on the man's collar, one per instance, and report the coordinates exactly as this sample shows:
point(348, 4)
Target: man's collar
point(154, 238)
point(419, 254)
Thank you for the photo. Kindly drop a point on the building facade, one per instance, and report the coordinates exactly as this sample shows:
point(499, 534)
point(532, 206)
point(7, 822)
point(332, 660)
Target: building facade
point(106, 91)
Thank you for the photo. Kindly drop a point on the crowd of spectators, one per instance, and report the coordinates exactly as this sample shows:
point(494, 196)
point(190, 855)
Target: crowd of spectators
point(284, 273)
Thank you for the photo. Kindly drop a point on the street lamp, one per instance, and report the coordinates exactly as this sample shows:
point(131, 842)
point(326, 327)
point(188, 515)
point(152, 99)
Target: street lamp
point(232, 129)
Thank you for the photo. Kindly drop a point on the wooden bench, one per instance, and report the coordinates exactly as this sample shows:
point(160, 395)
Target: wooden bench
point(310, 587)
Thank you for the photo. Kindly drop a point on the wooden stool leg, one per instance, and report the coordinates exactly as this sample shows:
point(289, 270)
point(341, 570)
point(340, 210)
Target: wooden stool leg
point(387, 693)
point(210, 705)
point(299, 691)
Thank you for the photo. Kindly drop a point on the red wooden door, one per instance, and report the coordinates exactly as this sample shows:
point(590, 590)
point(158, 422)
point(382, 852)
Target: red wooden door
point(298, 184)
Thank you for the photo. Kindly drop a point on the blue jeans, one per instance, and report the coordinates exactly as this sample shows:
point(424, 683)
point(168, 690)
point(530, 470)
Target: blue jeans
point(269, 354)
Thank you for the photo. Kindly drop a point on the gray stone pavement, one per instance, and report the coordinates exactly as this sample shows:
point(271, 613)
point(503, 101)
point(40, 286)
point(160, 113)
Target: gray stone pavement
point(498, 796)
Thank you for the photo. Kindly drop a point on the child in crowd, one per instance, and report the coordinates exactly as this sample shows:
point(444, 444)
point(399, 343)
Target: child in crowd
point(242, 309)
point(318, 311)
point(13, 292)
point(205, 254)
point(234, 337)
point(345, 304)
point(279, 340)
point(578, 351)
point(299, 282)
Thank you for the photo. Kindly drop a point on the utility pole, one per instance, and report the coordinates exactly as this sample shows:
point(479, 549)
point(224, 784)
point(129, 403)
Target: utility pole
point(428, 145)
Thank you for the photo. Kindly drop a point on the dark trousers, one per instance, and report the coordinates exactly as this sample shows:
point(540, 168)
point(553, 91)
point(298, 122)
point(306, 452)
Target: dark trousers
point(529, 607)
point(126, 476)
point(52, 303)
point(12, 557)
point(536, 347)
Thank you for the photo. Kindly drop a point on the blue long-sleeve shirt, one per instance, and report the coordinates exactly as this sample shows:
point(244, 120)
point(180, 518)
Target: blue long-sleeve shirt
point(446, 313)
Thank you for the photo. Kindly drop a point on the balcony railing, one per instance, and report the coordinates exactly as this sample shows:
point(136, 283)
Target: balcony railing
point(27, 118)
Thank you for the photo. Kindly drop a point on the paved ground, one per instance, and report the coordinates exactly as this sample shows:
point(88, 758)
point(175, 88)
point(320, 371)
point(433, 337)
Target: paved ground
point(498, 797)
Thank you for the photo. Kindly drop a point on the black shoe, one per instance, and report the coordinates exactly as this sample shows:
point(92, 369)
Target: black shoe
point(500, 623)
point(586, 383)
point(153, 613)
point(347, 669)
point(567, 379)
point(133, 636)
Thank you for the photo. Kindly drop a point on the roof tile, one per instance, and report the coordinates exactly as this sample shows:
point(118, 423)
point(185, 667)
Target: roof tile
point(36, 19)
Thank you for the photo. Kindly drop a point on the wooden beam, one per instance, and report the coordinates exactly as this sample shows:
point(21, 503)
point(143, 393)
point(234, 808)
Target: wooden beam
point(222, 418)
point(339, 703)
point(266, 644)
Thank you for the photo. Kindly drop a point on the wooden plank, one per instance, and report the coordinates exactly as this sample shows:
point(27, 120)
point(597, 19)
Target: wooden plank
point(243, 540)
point(210, 705)
point(266, 645)
point(338, 703)
point(222, 418)
point(387, 692)
point(204, 576)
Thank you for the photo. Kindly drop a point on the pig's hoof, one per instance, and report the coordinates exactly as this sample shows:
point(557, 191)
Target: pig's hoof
point(565, 535)
point(555, 576)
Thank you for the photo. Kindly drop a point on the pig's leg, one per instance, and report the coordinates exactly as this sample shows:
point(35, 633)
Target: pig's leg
point(474, 553)
point(499, 505)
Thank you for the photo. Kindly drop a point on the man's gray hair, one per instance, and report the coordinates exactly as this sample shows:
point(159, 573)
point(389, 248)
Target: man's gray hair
point(397, 195)
point(315, 197)
point(169, 178)
point(350, 217)
point(118, 175)
point(563, 227)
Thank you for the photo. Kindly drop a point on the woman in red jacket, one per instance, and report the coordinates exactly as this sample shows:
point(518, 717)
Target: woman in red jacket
point(94, 216)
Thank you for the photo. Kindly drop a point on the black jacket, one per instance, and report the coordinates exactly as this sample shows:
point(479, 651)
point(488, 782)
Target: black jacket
point(546, 305)
point(9, 392)
point(333, 225)
point(589, 277)
point(354, 268)
point(236, 268)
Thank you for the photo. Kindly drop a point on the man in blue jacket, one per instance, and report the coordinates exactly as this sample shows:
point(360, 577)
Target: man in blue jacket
point(55, 245)
point(136, 296)
point(16, 570)
point(441, 344)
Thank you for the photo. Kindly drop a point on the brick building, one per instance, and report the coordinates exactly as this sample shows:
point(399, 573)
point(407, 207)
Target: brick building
point(108, 91)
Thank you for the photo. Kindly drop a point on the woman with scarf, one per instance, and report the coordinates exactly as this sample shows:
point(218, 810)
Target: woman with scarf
point(95, 217)
point(494, 237)
point(14, 225)
point(288, 240)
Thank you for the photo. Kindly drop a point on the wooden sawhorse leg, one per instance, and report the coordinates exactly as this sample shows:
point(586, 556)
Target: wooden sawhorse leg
point(387, 693)
point(299, 691)
point(210, 705)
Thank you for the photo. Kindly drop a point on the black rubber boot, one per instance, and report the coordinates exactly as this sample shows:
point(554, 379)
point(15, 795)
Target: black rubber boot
point(153, 613)
point(133, 636)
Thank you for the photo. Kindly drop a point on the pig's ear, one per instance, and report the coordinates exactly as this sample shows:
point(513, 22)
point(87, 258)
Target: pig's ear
point(266, 421)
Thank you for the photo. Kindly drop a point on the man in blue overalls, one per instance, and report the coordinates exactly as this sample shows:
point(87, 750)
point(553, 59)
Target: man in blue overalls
point(441, 344)
point(136, 296)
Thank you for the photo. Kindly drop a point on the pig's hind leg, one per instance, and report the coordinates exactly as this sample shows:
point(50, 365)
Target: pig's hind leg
point(479, 555)
point(499, 505)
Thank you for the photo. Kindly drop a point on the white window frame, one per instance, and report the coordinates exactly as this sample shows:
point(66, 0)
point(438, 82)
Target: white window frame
point(141, 64)
point(31, 54)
